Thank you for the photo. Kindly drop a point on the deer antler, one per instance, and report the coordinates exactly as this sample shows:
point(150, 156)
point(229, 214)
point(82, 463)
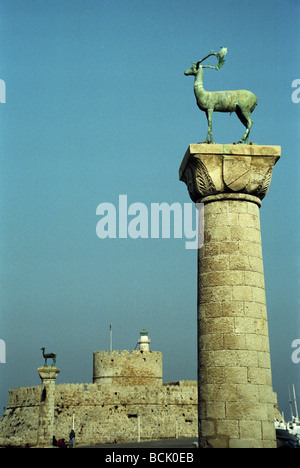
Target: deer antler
point(220, 55)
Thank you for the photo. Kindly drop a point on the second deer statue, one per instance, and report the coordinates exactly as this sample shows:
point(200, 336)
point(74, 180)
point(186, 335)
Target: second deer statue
point(49, 356)
point(241, 102)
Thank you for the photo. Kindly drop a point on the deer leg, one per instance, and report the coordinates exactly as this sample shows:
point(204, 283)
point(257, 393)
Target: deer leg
point(209, 137)
point(245, 117)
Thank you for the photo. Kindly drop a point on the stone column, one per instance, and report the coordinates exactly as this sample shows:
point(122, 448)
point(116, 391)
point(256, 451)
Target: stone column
point(48, 376)
point(235, 395)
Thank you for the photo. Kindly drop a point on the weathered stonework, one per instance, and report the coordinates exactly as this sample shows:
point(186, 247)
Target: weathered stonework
point(136, 368)
point(234, 369)
point(106, 411)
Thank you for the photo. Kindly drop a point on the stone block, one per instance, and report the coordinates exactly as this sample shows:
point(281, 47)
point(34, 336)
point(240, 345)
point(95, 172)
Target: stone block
point(245, 325)
point(249, 248)
point(228, 247)
point(253, 278)
point(215, 410)
point(250, 429)
point(239, 262)
point(218, 392)
point(255, 310)
point(211, 341)
point(213, 375)
point(212, 263)
point(207, 428)
point(247, 393)
point(249, 220)
point(242, 293)
point(255, 342)
point(234, 341)
point(256, 264)
point(235, 358)
point(216, 294)
point(211, 309)
point(217, 325)
point(254, 411)
point(233, 309)
point(259, 295)
point(268, 430)
point(227, 428)
point(219, 441)
point(236, 375)
point(264, 360)
point(243, 234)
point(266, 391)
point(246, 443)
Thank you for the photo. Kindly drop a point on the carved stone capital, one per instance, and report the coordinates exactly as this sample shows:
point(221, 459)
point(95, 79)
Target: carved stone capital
point(211, 169)
point(48, 373)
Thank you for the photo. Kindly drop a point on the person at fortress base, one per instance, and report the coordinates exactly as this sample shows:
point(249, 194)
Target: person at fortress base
point(61, 443)
point(72, 439)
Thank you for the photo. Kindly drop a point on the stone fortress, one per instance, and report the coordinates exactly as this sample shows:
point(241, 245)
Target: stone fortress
point(127, 401)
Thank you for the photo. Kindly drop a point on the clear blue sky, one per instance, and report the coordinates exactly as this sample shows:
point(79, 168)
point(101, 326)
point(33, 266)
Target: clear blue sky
point(98, 106)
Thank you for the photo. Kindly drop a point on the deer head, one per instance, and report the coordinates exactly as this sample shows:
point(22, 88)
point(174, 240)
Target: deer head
point(195, 65)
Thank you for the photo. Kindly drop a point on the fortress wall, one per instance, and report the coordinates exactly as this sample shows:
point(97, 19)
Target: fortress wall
point(20, 420)
point(104, 413)
point(24, 396)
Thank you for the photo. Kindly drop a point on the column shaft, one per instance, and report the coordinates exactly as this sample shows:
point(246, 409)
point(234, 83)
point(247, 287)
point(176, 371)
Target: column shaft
point(45, 434)
point(235, 385)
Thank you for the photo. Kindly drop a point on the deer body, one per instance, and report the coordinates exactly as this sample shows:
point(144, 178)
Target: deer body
point(241, 102)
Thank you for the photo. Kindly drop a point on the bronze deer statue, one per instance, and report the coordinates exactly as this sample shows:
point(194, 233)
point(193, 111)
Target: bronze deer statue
point(49, 356)
point(241, 102)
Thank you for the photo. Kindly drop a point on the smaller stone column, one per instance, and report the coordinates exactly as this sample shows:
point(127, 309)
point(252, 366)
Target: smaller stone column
point(48, 376)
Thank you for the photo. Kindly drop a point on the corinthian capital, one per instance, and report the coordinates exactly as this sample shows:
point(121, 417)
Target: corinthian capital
point(211, 169)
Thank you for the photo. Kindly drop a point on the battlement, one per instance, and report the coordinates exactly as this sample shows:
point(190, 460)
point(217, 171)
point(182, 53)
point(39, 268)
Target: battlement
point(138, 367)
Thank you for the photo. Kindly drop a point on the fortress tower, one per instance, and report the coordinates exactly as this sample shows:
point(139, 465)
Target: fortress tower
point(141, 367)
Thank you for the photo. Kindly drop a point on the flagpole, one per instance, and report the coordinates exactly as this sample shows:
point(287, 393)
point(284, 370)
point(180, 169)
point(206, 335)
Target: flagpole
point(110, 338)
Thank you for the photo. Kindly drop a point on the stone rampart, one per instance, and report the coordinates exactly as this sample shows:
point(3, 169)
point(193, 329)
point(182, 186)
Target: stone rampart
point(104, 413)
